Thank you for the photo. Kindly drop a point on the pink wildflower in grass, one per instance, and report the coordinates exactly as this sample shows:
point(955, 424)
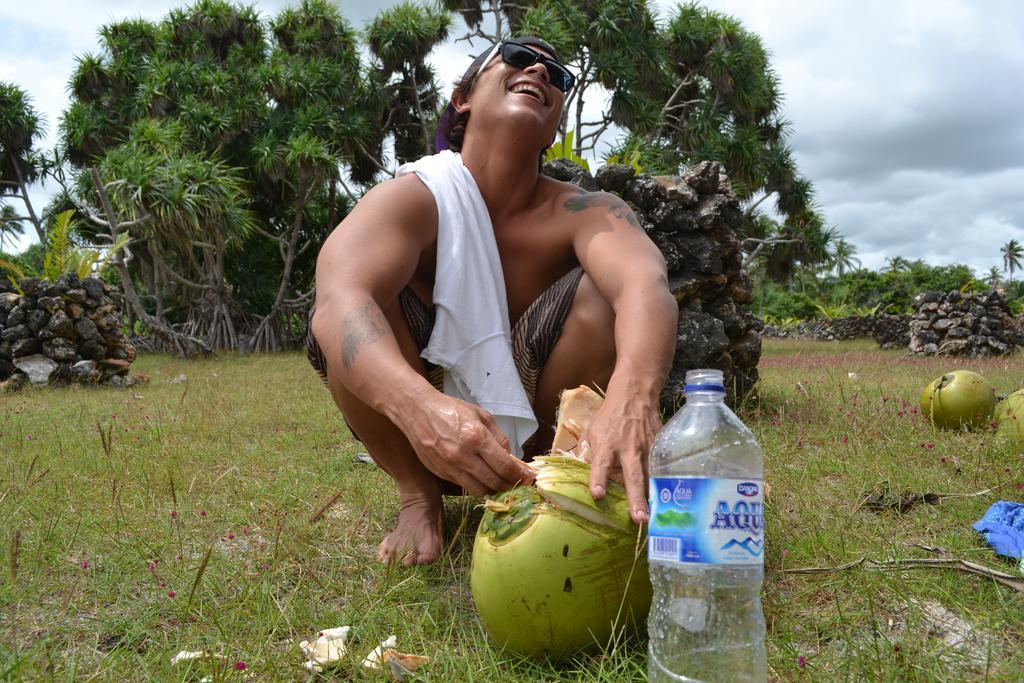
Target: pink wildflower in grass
point(846, 439)
point(85, 564)
point(1019, 487)
point(801, 661)
point(28, 437)
point(231, 537)
point(171, 594)
point(929, 445)
point(245, 530)
point(202, 513)
point(163, 584)
point(174, 514)
point(240, 666)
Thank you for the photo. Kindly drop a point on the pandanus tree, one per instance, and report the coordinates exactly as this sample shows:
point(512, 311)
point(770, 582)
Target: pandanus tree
point(308, 132)
point(20, 162)
point(696, 87)
point(155, 115)
point(725, 105)
point(400, 39)
point(220, 143)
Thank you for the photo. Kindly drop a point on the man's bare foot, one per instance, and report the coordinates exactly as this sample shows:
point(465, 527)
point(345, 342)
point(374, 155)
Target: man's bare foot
point(420, 532)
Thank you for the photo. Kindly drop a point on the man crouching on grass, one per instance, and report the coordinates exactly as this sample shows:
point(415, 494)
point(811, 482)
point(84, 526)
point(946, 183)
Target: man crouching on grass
point(456, 301)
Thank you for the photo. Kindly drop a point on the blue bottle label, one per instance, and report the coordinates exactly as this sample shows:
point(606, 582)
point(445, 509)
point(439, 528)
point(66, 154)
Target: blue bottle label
point(706, 521)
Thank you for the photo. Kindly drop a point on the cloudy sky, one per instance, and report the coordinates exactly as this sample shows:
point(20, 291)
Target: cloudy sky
point(907, 115)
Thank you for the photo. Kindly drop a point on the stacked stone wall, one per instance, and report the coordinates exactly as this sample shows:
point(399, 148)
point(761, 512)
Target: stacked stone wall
point(64, 331)
point(972, 324)
point(890, 331)
point(693, 219)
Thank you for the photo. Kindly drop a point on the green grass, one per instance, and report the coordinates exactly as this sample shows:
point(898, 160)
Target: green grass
point(235, 462)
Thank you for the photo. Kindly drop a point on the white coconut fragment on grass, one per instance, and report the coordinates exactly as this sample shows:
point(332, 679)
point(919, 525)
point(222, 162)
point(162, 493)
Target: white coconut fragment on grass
point(189, 655)
point(399, 665)
point(373, 660)
point(327, 649)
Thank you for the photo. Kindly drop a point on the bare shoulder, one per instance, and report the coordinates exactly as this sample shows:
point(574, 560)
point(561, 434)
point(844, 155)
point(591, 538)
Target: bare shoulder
point(402, 198)
point(592, 206)
point(400, 211)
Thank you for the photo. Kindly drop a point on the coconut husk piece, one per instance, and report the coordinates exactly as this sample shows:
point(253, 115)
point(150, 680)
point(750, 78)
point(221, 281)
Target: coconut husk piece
point(400, 665)
point(884, 498)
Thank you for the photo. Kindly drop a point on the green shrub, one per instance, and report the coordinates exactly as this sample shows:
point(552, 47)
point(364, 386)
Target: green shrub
point(775, 301)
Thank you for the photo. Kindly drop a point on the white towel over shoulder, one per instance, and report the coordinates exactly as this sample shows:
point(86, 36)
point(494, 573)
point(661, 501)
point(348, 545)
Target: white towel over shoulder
point(472, 337)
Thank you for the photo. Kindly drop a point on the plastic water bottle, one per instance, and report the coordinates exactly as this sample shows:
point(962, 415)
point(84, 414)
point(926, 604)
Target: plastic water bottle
point(706, 543)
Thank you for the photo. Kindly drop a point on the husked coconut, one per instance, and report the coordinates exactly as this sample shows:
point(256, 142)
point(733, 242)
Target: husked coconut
point(576, 408)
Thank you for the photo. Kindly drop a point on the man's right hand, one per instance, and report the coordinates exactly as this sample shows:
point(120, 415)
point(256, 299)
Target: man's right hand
point(462, 443)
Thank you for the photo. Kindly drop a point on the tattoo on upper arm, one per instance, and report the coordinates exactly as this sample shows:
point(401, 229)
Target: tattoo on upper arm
point(616, 206)
point(364, 325)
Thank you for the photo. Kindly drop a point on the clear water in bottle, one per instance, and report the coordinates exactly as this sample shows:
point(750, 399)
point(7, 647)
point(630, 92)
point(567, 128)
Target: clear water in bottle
point(706, 543)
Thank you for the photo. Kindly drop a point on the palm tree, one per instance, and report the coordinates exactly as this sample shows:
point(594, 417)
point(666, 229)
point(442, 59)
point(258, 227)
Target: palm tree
point(844, 256)
point(10, 224)
point(897, 264)
point(993, 277)
point(1013, 253)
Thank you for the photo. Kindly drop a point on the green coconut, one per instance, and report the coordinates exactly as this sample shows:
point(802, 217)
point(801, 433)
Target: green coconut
point(958, 399)
point(556, 572)
point(1009, 418)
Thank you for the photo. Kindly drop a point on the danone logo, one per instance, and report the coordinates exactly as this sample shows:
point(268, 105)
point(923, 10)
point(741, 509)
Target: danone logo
point(747, 488)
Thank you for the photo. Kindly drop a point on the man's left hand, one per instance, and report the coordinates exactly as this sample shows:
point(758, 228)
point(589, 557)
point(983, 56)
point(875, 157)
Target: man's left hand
point(620, 438)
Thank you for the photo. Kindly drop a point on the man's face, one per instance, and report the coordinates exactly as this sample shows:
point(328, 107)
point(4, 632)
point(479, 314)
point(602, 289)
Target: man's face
point(504, 95)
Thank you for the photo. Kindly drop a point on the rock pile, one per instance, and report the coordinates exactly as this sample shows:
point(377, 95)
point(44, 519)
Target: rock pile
point(831, 329)
point(971, 324)
point(63, 331)
point(693, 219)
point(890, 331)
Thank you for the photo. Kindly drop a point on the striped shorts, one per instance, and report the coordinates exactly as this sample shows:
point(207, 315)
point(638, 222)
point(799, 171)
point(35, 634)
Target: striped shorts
point(533, 336)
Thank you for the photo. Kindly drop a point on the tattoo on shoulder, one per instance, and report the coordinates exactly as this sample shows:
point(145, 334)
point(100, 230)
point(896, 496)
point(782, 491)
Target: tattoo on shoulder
point(616, 206)
point(364, 325)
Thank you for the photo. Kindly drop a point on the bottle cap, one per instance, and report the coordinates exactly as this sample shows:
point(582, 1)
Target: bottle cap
point(704, 380)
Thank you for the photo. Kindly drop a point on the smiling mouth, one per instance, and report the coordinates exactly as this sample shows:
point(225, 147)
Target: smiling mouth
point(529, 90)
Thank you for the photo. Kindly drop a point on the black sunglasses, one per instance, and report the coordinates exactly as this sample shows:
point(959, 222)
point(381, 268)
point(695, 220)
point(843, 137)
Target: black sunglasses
point(520, 56)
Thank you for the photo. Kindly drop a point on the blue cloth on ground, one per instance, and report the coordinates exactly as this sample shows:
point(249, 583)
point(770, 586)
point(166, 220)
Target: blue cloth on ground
point(1003, 527)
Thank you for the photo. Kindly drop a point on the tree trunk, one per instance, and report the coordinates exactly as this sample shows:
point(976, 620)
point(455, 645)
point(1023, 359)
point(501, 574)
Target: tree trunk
point(183, 345)
point(428, 144)
point(265, 338)
point(36, 223)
